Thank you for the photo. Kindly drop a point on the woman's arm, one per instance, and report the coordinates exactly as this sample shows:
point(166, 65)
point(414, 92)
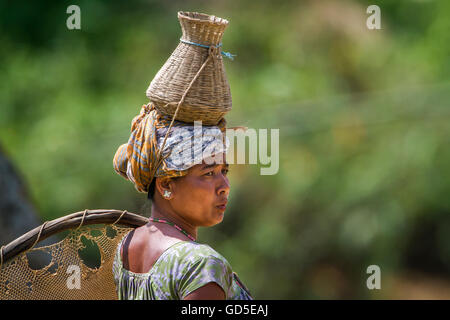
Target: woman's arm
point(210, 291)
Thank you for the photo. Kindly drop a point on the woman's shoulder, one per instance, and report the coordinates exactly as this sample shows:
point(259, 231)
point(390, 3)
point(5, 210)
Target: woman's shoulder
point(195, 251)
point(194, 264)
point(190, 258)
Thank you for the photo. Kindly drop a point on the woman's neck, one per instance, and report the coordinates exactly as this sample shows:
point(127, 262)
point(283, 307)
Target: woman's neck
point(159, 212)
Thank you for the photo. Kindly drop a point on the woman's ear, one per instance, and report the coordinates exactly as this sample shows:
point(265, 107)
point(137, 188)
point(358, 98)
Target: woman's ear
point(165, 187)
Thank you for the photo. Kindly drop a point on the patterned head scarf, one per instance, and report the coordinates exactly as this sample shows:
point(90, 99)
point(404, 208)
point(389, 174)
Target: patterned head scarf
point(185, 146)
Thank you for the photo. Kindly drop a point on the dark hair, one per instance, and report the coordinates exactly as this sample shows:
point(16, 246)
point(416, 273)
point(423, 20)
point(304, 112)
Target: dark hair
point(151, 189)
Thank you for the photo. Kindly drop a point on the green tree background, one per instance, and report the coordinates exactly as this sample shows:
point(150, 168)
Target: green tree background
point(364, 173)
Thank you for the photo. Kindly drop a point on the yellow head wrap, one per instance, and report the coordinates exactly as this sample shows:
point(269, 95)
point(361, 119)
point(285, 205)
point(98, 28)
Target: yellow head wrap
point(137, 160)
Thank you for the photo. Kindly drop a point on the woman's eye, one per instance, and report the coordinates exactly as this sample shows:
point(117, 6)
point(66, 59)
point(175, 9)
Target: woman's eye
point(211, 173)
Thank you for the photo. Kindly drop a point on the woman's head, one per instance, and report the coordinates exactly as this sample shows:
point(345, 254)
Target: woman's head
point(186, 160)
point(157, 149)
point(197, 196)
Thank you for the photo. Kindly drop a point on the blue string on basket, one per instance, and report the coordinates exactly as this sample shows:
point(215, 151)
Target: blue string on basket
point(225, 54)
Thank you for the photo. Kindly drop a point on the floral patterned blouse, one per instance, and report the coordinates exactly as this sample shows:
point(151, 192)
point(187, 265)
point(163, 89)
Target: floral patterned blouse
point(182, 268)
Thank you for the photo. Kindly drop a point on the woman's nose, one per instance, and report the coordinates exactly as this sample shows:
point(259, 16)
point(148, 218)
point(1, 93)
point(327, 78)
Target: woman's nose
point(224, 186)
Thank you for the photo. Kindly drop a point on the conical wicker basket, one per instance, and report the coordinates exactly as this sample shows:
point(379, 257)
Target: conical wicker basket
point(209, 97)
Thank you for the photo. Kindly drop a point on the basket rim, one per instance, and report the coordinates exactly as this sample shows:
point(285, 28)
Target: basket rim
point(71, 221)
point(202, 18)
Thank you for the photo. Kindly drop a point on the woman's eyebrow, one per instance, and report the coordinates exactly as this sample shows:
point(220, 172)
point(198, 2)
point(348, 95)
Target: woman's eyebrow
point(207, 166)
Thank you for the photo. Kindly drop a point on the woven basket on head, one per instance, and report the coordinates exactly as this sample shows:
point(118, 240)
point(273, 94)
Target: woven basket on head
point(208, 98)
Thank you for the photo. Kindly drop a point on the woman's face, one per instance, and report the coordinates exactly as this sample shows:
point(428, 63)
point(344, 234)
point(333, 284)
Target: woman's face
point(201, 196)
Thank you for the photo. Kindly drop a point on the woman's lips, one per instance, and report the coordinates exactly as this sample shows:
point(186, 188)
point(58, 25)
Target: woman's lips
point(222, 207)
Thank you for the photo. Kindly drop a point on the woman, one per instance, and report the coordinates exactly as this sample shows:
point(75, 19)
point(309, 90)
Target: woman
point(162, 259)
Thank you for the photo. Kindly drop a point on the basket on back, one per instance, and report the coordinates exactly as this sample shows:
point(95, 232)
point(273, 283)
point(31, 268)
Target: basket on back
point(209, 98)
point(60, 271)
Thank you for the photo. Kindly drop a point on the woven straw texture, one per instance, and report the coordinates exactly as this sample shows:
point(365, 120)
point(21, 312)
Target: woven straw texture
point(19, 281)
point(209, 97)
point(77, 267)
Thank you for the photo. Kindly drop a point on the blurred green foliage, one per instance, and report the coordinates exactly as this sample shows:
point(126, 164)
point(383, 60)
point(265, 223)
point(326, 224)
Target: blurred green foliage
point(363, 116)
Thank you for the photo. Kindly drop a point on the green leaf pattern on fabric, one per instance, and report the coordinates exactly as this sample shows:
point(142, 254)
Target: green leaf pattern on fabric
point(181, 269)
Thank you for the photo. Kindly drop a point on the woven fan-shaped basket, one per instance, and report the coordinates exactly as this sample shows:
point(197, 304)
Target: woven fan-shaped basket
point(209, 97)
point(20, 281)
